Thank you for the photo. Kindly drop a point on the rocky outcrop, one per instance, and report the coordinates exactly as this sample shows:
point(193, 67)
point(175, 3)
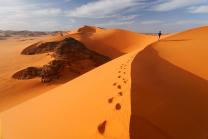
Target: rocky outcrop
point(69, 53)
point(47, 73)
point(39, 48)
point(28, 73)
point(71, 50)
point(51, 71)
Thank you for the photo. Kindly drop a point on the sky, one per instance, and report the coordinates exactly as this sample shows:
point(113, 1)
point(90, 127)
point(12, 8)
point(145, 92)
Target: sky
point(147, 16)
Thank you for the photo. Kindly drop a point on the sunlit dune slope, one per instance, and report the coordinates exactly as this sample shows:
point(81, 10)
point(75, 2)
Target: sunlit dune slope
point(187, 50)
point(155, 92)
point(78, 108)
point(12, 91)
point(115, 42)
point(109, 42)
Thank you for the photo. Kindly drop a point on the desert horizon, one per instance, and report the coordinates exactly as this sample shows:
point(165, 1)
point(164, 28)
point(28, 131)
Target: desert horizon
point(95, 69)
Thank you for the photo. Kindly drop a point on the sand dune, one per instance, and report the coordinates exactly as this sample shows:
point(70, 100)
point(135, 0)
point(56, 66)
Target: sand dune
point(13, 92)
point(166, 101)
point(169, 88)
point(154, 90)
point(187, 50)
point(109, 42)
point(12, 48)
point(115, 42)
point(53, 114)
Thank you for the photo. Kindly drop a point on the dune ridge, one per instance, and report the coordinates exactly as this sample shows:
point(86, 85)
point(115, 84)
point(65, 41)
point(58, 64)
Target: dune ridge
point(187, 50)
point(12, 48)
point(163, 106)
point(149, 92)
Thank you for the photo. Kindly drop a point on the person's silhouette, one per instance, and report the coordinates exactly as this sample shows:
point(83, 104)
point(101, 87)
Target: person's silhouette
point(159, 35)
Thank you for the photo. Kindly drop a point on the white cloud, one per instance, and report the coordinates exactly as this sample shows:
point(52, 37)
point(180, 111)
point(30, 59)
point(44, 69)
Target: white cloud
point(21, 14)
point(115, 23)
point(151, 22)
point(46, 12)
point(121, 20)
point(199, 9)
point(102, 8)
point(168, 5)
point(129, 17)
point(192, 21)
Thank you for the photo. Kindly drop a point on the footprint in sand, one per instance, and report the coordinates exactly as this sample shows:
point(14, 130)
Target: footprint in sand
point(110, 100)
point(120, 93)
point(101, 127)
point(118, 106)
point(119, 86)
point(124, 81)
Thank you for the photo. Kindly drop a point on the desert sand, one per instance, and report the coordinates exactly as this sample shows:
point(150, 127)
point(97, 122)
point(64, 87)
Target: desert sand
point(12, 90)
point(151, 89)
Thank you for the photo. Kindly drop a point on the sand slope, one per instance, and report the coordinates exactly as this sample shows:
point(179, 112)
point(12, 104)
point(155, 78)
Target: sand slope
point(115, 42)
point(75, 109)
point(104, 41)
point(109, 42)
point(156, 92)
point(169, 88)
point(12, 91)
point(166, 100)
point(187, 50)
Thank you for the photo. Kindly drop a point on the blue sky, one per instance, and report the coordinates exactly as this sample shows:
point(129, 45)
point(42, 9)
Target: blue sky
point(135, 15)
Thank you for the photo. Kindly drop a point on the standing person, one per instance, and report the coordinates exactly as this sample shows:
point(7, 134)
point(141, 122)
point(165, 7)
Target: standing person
point(159, 35)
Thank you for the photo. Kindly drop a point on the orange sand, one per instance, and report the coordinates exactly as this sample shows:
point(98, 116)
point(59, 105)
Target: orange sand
point(13, 91)
point(155, 91)
point(10, 89)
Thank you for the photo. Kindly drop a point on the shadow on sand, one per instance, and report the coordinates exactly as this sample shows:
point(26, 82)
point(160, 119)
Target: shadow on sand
point(166, 101)
point(176, 40)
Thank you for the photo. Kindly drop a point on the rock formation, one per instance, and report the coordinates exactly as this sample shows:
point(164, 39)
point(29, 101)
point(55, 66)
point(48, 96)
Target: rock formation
point(68, 53)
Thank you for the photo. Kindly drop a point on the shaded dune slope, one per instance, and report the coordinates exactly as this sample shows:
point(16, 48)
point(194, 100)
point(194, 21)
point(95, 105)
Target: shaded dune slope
point(169, 88)
point(187, 50)
point(166, 101)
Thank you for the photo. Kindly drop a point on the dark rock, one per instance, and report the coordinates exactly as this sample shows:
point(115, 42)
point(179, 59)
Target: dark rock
point(51, 71)
point(68, 53)
point(39, 48)
point(28, 73)
point(71, 50)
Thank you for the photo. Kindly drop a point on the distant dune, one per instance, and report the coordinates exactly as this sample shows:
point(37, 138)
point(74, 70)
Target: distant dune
point(150, 89)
